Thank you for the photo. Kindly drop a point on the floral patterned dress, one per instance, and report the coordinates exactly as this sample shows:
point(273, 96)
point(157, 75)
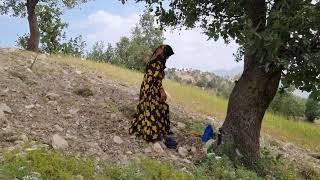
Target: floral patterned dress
point(151, 120)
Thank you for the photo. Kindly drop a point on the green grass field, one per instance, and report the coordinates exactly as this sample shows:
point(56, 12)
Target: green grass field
point(46, 164)
point(196, 100)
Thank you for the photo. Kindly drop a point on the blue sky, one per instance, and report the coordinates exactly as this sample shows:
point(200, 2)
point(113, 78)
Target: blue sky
point(108, 20)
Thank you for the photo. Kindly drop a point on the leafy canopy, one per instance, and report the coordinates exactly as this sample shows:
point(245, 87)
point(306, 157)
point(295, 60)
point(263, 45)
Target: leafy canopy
point(17, 8)
point(52, 33)
point(312, 108)
point(132, 52)
point(286, 36)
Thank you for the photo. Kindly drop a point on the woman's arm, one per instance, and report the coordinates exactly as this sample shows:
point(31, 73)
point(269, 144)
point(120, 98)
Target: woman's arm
point(155, 76)
point(163, 95)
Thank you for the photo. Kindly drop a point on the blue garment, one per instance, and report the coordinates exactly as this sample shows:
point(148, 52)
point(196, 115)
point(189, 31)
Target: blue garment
point(208, 134)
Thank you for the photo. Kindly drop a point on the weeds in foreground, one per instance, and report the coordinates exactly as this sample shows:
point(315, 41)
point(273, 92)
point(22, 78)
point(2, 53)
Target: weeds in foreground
point(46, 164)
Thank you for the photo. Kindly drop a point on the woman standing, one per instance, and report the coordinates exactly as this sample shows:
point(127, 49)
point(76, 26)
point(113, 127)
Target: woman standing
point(151, 120)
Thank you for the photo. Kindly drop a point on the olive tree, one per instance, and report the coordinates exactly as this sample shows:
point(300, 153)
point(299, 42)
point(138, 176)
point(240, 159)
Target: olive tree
point(279, 41)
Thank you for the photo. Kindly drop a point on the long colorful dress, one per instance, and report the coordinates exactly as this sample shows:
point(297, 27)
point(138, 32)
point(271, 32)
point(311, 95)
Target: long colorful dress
point(151, 120)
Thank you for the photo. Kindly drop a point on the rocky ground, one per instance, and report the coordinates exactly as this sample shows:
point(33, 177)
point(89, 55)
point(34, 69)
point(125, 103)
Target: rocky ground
point(81, 111)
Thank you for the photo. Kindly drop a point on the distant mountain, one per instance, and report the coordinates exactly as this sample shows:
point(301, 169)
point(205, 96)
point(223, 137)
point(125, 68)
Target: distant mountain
point(229, 72)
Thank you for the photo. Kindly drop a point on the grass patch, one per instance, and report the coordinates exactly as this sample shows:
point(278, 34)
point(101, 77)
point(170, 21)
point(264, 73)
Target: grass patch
point(301, 133)
point(42, 164)
point(145, 169)
point(46, 164)
point(196, 100)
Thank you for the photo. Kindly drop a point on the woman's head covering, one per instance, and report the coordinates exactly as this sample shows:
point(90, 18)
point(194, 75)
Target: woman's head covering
point(163, 52)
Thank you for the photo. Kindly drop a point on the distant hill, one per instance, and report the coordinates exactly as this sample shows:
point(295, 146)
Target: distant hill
point(234, 72)
point(229, 72)
point(207, 80)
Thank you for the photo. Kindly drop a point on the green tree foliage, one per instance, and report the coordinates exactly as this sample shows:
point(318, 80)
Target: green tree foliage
point(133, 52)
point(49, 11)
point(279, 40)
point(312, 108)
point(290, 38)
point(52, 36)
point(99, 54)
point(287, 104)
point(122, 51)
point(74, 47)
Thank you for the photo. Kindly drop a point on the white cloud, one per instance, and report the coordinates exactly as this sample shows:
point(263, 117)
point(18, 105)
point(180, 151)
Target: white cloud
point(108, 27)
point(192, 50)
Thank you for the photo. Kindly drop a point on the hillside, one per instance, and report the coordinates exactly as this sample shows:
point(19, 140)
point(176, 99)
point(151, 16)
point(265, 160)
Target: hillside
point(221, 86)
point(88, 107)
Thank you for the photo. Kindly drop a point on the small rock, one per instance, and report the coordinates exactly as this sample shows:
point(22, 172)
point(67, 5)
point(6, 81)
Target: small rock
point(183, 151)
point(213, 119)
point(186, 161)
point(29, 70)
point(94, 147)
point(19, 142)
point(193, 149)
point(58, 142)
point(52, 96)
point(117, 140)
point(58, 109)
point(4, 108)
point(157, 148)
point(58, 128)
point(113, 116)
point(2, 115)
point(24, 138)
point(53, 103)
point(4, 92)
point(73, 111)
point(129, 152)
point(208, 145)
point(147, 150)
point(173, 157)
point(181, 125)
point(174, 130)
point(69, 136)
point(78, 72)
point(29, 106)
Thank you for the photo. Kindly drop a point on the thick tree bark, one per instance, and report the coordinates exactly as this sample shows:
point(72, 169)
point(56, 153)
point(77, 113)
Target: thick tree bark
point(34, 40)
point(250, 98)
point(248, 102)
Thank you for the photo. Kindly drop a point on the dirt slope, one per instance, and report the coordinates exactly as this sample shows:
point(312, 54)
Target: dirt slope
point(85, 108)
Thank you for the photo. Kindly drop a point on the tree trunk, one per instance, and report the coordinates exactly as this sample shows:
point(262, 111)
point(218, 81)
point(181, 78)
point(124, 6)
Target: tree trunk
point(34, 40)
point(248, 102)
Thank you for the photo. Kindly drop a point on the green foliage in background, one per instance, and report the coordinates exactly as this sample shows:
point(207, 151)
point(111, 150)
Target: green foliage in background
point(132, 52)
point(312, 111)
point(53, 38)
